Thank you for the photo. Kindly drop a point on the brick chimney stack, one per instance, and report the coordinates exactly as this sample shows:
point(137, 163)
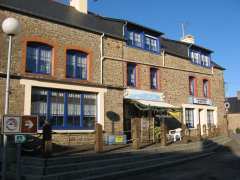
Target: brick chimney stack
point(80, 5)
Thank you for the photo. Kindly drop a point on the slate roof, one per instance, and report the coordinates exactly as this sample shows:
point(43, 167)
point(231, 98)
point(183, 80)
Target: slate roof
point(69, 16)
point(62, 14)
point(234, 104)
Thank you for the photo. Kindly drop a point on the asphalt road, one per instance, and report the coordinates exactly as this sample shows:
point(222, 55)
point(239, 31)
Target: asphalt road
point(223, 165)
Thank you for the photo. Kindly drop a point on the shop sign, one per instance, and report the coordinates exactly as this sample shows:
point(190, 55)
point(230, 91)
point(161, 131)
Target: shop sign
point(143, 95)
point(119, 139)
point(200, 101)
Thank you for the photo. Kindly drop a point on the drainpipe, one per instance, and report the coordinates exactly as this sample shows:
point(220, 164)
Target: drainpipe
point(124, 27)
point(123, 69)
point(189, 49)
point(163, 55)
point(101, 56)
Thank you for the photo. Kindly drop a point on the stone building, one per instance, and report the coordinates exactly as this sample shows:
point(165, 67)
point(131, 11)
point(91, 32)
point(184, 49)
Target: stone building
point(234, 112)
point(75, 68)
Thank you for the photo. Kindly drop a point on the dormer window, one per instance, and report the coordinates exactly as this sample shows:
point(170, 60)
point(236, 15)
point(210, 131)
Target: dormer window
point(200, 58)
point(151, 43)
point(140, 39)
point(135, 39)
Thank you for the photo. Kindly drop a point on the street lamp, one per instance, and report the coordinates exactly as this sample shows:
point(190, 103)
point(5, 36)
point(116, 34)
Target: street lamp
point(10, 27)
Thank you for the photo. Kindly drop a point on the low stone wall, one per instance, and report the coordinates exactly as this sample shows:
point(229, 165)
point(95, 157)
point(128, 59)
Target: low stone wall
point(234, 122)
point(74, 139)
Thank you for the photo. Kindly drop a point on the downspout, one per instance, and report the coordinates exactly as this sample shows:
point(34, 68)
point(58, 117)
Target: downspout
point(163, 55)
point(123, 69)
point(124, 27)
point(101, 56)
point(189, 49)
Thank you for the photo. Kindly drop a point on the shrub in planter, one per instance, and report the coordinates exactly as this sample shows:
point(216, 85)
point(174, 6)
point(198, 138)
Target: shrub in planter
point(238, 130)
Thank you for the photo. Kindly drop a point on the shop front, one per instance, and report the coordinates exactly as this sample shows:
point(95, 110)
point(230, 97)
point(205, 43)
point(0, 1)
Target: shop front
point(200, 113)
point(152, 113)
point(72, 110)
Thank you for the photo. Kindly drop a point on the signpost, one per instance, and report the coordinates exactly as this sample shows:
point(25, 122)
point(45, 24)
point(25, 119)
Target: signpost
point(227, 106)
point(18, 126)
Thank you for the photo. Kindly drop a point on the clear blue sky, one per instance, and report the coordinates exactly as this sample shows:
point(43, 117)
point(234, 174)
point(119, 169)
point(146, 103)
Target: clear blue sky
point(214, 23)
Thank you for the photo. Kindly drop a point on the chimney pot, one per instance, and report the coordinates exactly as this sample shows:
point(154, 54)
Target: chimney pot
point(80, 5)
point(188, 39)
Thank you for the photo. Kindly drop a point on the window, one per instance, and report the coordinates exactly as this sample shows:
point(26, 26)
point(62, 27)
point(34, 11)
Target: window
point(64, 109)
point(151, 44)
point(141, 40)
point(39, 104)
point(205, 88)
point(189, 118)
point(135, 38)
point(76, 65)
point(39, 57)
point(192, 86)
point(131, 75)
point(210, 119)
point(154, 78)
point(56, 108)
point(89, 111)
point(200, 58)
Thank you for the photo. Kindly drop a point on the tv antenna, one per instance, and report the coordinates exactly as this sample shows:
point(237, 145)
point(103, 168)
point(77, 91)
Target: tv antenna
point(183, 28)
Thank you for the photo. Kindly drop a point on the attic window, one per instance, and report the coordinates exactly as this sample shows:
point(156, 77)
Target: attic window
point(140, 39)
point(200, 58)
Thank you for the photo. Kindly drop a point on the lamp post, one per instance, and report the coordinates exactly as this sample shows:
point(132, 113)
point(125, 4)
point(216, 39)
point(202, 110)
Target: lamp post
point(10, 27)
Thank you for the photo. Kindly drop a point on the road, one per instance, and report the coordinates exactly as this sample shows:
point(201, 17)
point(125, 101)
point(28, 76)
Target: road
point(223, 165)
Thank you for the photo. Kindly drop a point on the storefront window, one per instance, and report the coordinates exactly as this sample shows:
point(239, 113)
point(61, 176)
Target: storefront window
point(65, 109)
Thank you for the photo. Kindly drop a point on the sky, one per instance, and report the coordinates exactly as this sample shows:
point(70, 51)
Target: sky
point(215, 24)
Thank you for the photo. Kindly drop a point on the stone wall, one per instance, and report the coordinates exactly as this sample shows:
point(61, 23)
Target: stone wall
point(174, 72)
point(233, 122)
point(59, 37)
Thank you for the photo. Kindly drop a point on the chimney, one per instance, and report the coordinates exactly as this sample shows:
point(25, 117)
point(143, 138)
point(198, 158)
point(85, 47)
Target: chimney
point(188, 39)
point(80, 5)
point(238, 95)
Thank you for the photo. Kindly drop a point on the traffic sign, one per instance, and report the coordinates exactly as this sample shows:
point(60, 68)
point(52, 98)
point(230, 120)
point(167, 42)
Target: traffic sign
point(20, 124)
point(19, 139)
point(29, 125)
point(227, 106)
point(11, 124)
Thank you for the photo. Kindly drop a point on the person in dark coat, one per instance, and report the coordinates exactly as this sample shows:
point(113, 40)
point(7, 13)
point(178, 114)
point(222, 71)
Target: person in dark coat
point(47, 139)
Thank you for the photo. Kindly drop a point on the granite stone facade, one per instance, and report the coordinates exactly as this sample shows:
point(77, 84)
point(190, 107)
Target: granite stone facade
point(173, 72)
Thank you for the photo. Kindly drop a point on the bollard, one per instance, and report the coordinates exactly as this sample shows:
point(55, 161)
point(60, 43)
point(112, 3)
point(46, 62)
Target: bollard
point(136, 128)
point(98, 139)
